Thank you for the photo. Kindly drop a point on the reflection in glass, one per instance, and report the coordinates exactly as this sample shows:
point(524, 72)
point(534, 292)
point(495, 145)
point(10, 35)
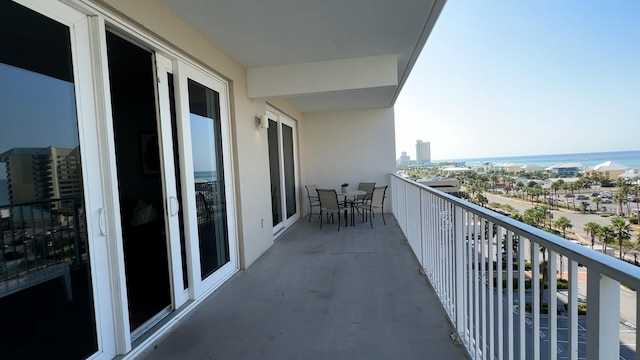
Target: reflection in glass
point(274, 170)
point(289, 172)
point(46, 305)
point(206, 142)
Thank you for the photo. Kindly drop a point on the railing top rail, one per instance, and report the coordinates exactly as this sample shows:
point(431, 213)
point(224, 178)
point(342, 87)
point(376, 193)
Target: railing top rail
point(612, 267)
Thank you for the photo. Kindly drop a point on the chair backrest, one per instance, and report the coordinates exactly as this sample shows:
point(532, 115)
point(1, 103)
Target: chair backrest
point(328, 199)
point(368, 187)
point(377, 198)
point(311, 191)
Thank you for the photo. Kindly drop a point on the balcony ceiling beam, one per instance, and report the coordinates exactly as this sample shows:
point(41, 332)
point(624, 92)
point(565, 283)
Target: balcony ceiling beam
point(323, 77)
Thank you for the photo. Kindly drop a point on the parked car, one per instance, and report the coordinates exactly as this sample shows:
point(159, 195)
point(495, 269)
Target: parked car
point(582, 197)
point(595, 194)
point(606, 201)
point(569, 195)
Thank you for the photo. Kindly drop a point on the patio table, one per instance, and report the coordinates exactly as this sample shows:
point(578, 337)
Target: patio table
point(351, 194)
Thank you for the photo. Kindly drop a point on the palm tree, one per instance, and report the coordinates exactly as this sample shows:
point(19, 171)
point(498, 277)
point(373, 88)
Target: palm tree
point(481, 199)
point(591, 228)
point(636, 191)
point(619, 199)
point(520, 186)
point(555, 186)
point(563, 223)
point(606, 235)
point(622, 231)
point(494, 181)
point(597, 200)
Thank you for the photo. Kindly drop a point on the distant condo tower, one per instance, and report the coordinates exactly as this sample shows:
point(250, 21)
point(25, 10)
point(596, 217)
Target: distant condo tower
point(423, 152)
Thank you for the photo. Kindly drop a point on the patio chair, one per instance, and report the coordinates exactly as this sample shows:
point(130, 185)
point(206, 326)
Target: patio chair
point(312, 195)
point(329, 205)
point(376, 202)
point(368, 187)
point(362, 199)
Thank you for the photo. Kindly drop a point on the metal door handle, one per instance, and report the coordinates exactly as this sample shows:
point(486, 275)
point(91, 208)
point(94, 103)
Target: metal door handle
point(174, 206)
point(102, 221)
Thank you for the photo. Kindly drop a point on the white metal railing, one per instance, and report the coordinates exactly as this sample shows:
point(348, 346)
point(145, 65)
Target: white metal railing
point(457, 244)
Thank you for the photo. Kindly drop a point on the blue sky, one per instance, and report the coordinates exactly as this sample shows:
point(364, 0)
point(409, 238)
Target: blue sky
point(509, 78)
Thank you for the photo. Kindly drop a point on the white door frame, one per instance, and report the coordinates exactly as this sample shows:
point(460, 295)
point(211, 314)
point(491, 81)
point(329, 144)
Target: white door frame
point(179, 294)
point(280, 119)
point(90, 102)
point(199, 287)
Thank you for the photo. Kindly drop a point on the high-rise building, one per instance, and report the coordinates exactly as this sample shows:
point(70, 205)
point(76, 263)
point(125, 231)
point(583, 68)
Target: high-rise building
point(423, 152)
point(42, 173)
point(404, 159)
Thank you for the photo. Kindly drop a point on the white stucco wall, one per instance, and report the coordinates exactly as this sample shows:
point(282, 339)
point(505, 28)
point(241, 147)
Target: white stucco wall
point(352, 146)
point(250, 155)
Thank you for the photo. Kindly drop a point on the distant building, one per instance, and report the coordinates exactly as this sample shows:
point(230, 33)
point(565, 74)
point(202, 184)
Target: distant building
point(404, 159)
point(447, 185)
point(631, 174)
point(423, 152)
point(531, 168)
point(565, 169)
point(42, 173)
point(609, 169)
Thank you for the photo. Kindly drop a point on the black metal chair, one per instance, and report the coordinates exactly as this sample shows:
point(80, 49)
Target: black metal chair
point(377, 202)
point(312, 195)
point(329, 205)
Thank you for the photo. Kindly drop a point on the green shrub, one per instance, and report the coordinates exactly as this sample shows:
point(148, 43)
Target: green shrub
point(582, 308)
point(561, 284)
point(633, 220)
point(527, 266)
point(527, 283)
point(605, 215)
point(544, 308)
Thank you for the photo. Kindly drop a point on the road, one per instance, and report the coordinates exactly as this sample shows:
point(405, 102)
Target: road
point(577, 219)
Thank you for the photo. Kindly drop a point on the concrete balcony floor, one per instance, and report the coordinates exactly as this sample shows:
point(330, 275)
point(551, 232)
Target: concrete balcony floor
point(321, 294)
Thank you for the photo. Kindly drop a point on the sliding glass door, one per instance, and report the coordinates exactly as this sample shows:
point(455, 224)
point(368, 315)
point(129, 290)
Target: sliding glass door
point(47, 287)
point(283, 167)
point(207, 177)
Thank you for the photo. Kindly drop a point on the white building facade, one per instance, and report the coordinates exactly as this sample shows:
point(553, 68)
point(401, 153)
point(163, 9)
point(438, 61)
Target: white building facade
point(197, 126)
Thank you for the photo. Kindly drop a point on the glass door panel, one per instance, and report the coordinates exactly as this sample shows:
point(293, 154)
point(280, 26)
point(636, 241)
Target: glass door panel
point(274, 170)
point(282, 166)
point(208, 174)
point(46, 294)
point(140, 182)
point(288, 160)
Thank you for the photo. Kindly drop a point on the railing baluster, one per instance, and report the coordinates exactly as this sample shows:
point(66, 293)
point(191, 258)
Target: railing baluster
point(509, 268)
point(636, 322)
point(521, 299)
point(603, 335)
point(490, 286)
point(460, 275)
point(573, 310)
point(537, 292)
point(500, 299)
point(469, 260)
point(552, 313)
point(483, 289)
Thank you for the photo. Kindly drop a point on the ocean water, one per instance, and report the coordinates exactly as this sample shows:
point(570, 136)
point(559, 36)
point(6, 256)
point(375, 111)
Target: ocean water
point(627, 158)
point(205, 175)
